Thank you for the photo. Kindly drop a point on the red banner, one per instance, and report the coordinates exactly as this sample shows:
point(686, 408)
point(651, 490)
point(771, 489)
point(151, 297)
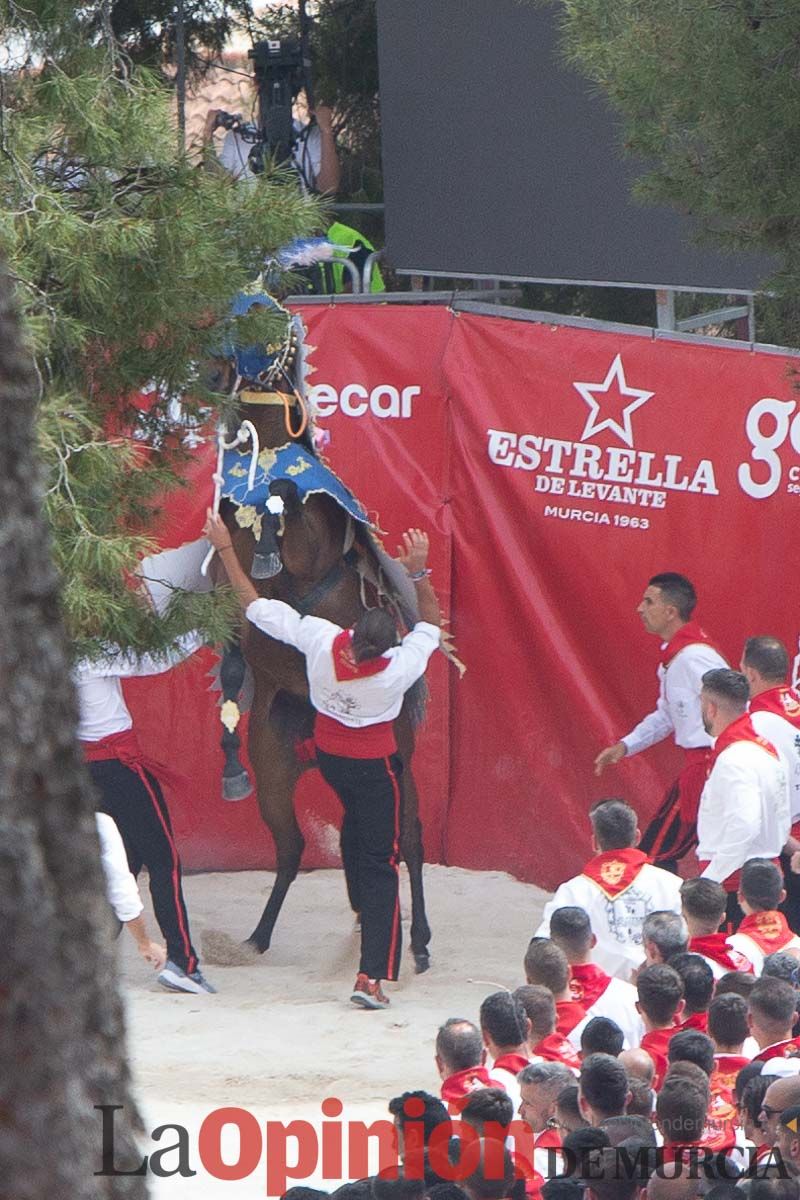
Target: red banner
point(557, 469)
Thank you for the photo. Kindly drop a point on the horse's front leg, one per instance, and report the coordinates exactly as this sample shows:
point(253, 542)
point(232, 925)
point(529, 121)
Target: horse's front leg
point(235, 780)
point(413, 853)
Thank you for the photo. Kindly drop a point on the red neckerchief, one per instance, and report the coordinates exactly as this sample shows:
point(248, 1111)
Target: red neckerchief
point(548, 1139)
point(614, 871)
point(458, 1087)
point(769, 930)
point(555, 1048)
point(787, 1049)
point(588, 983)
point(740, 730)
point(696, 1021)
point(513, 1063)
point(783, 701)
point(723, 1077)
point(656, 1043)
point(715, 947)
point(690, 634)
point(569, 1013)
point(344, 663)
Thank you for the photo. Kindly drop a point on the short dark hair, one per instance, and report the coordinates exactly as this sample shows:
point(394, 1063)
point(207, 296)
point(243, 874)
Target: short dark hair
point(660, 991)
point(546, 964)
point(579, 1142)
point(774, 1001)
point(667, 931)
point(540, 1008)
point(690, 1045)
point(641, 1098)
point(704, 899)
point(680, 1073)
point(433, 1112)
point(485, 1185)
point(562, 1187)
point(738, 983)
point(729, 687)
point(614, 824)
point(780, 966)
point(488, 1104)
point(677, 591)
point(727, 1020)
point(601, 1035)
point(605, 1179)
point(373, 633)
point(604, 1084)
point(619, 1129)
point(753, 1094)
point(769, 657)
point(503, 1018)
point(698, 980)
point(567, 1101)
point(751, 1070)
point(761, 884)
point(571, 929)
point(681, 1112)
point(459, 1044)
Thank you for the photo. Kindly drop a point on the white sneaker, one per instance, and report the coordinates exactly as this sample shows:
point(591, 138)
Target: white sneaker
point(175, 979)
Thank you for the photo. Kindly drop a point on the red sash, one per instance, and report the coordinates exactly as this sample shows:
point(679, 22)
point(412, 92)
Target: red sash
point(769, 930)
point(457, 1088)
point(344, 662)
point(349, 741)
point(125, 748)
point(715, 946)
point(513, 1063)
point(740, 730)
point(569, 1013)
point(690, 634)
point(656, 1043)
point(588, 983)
point(783, 701)
point(614, 871)
point(787, 1049)
point(695, 1021)
point(555, 1048)
point(723, 1077)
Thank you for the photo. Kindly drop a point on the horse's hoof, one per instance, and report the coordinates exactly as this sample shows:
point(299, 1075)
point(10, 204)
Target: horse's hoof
point(421, 962)
point(222, 950)
point(236, 787)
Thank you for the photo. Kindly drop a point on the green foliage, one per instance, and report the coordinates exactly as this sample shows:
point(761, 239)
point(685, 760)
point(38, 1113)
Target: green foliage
point(710, 96)
point(125, 258)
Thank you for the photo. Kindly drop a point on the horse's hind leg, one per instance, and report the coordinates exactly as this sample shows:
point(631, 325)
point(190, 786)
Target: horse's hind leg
point(413, 854)
point(277, 772)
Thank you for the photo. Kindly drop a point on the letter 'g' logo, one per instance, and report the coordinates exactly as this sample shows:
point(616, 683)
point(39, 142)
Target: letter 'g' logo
point(767, 427)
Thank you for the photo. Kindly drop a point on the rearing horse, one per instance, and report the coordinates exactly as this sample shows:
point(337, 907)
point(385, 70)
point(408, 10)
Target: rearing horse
point(330, 567)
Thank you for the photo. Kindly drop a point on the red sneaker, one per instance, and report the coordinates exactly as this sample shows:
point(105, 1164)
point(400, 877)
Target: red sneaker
point(367, 993)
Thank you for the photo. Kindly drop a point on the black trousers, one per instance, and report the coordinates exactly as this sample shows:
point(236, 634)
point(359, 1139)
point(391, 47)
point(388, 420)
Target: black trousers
point(369, 791)
point(137, 805)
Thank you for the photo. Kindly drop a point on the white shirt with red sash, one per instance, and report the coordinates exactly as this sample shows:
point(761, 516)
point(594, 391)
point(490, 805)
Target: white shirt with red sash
point(605, 996)
point(783, 1057)
point(776, 716)
point(617, 889)
point(761, 934)
point(684, 661)
point(720, 954)
point(744, 809)
point(359, 696)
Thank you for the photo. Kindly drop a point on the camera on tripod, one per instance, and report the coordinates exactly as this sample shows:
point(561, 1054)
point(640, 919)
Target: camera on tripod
point(246, 130)
point(281, 71)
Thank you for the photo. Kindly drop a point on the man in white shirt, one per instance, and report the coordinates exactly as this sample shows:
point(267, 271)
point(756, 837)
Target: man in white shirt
point(357, 680)
point(314, 156)
point(775, 713)
point(617, 889)
point(745, 808)
point(687, 653)
point(764, 930)
point(122, 892)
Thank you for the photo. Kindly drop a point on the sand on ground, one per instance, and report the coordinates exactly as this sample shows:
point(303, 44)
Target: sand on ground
point(281, 1035)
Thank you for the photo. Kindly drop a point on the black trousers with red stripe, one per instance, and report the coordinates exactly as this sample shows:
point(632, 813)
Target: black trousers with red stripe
point(369, 790)
point(137, 805)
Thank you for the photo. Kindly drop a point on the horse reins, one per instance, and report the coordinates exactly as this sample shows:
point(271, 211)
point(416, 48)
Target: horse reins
point(267, 398)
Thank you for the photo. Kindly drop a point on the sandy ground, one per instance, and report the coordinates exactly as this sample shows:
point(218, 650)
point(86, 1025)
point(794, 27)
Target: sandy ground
point(281, 1036)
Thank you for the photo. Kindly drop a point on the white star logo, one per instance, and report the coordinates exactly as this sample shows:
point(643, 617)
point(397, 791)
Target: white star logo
point(587, 390)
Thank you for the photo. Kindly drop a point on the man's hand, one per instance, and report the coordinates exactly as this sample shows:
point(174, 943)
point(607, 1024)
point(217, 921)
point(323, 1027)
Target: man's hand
point(153, 954)
point(216, 531)
point(609, 756)
point(413, 553)
point(211, 122)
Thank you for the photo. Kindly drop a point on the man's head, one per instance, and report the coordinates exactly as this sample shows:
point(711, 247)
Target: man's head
point(668, 603)
point(602, 1088)
point(420, 1107)
point(765, 663)
point(760, 886)
point(680, 1073)
point(781, 965)
point(642, 1097)
point(698, 982)
point(681, 1112)
point(619, 1129)
point(540, 1009)
point(664, 933)
point(690, 1045)
point(788, 1139)
point(615, 825)
point(459, 1045)
point(723, 698)
point(373, 633)
point(703, 902)
point(571, 929)
point(638, 1064)
point(493, 1177)
point(780, 1095)
point(736, 982)
point(504, 1025)
point(727, 1023)
point(546, 964)
point(540, 1085)
point(578, 1144)
point(772, 1011)
point(603, 1179)
point(601, 1035)
point(568, 1113)
point(488, 1106)
point(674, 1182)
point(660, 992)
point(749, 1103)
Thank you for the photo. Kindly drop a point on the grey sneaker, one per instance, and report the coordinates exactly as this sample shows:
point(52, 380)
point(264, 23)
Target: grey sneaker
point(175, 979)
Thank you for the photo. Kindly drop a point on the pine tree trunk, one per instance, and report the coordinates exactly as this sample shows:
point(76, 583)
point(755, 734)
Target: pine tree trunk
point(62, 1043)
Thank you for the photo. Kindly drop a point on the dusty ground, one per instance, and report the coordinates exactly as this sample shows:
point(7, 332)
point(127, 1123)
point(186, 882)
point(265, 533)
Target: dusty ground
point(281, 1035)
